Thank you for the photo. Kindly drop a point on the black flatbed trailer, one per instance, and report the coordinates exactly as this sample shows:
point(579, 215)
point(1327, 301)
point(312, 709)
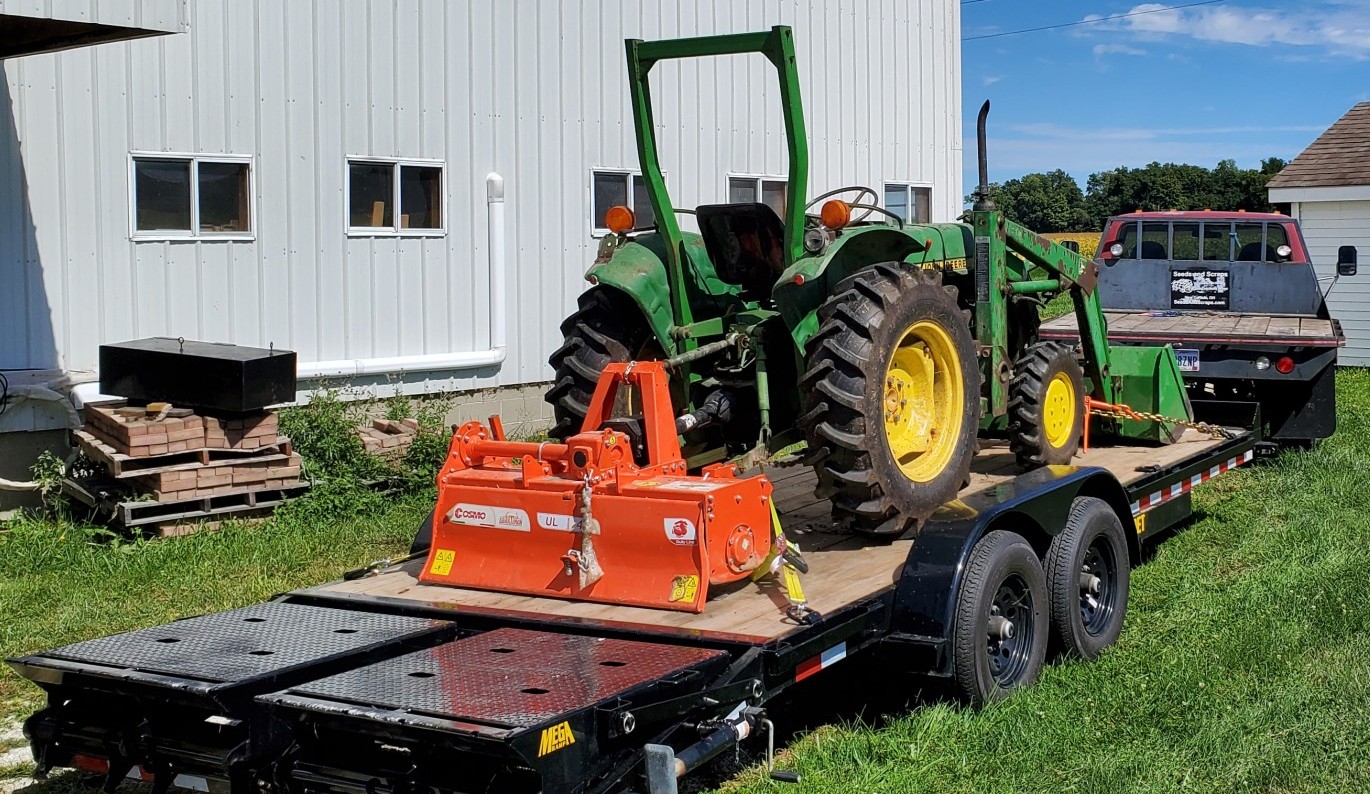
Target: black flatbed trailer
point(382, 684)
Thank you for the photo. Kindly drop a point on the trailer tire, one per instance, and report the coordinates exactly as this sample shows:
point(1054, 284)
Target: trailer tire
point(1002, 580)
point(1046, 406)
point(888, 331)
point(1092, 544)
point(607, 327)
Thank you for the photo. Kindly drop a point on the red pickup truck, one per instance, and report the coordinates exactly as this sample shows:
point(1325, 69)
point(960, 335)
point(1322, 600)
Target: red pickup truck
point(1238, 298)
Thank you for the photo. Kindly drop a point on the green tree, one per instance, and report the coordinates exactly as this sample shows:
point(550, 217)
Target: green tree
point(1175, 186)
point(1050, 202)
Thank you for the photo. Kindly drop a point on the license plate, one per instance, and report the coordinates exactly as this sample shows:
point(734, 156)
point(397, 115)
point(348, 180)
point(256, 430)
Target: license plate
point(1189, 360)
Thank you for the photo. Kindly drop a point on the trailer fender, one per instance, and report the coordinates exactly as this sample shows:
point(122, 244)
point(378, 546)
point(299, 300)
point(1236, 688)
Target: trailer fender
point(807, 283)
point(1033, 505)
point(637, 268)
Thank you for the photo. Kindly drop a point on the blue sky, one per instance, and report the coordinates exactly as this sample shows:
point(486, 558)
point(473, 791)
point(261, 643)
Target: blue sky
point(1239, 79)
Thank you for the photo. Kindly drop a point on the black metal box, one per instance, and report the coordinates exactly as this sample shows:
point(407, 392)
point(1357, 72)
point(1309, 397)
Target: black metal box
point(208, 375)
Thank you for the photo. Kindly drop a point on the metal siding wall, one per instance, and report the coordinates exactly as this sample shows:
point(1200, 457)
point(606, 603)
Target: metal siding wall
point(535, 92)
point(1327, 225)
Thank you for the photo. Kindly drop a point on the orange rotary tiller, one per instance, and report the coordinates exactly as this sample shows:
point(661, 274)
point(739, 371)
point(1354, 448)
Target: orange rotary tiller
point(610, 516)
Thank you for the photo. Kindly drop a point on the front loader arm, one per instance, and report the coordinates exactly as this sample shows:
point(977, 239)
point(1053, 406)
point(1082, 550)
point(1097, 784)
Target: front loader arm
point(1080, 276)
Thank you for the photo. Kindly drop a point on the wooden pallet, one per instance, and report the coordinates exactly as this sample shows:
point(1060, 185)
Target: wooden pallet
point(107, 499)
point(120, 465)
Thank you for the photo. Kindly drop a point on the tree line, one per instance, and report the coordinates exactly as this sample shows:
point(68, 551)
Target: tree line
point(1054, 202)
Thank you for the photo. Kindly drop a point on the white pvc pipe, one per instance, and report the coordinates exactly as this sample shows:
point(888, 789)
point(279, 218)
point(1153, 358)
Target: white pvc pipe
point(343, 368)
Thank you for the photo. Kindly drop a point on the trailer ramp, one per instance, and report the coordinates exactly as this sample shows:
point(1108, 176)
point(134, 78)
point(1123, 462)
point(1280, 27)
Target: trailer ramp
point(176, 700)
point(506, 710)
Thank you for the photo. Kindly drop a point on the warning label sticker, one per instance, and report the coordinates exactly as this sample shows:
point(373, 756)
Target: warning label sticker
point(684, 588)
point(442, 562)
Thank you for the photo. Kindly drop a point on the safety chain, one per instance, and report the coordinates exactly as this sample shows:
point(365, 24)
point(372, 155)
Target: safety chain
point(1100, 408)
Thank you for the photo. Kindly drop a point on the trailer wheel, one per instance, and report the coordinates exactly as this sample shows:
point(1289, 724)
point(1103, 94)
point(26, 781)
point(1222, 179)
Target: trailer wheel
point(1088, 569)
point(892, 404)
point(1046, 405)
point(607, 327)
point(1000, 634)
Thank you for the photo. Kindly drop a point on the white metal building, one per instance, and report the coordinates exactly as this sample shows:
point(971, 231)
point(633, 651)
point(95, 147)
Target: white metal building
point(1328, 189)
point(313, 175)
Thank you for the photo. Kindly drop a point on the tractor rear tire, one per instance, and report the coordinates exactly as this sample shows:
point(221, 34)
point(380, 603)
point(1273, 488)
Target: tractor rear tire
point(607, 327)
point(1046, 405)
point(892, 398)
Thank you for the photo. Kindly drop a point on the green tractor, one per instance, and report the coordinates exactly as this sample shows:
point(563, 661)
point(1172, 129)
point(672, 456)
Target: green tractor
point(884, 347)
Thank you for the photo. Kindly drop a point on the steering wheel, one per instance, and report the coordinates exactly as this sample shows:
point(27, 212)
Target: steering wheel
point(860, 191)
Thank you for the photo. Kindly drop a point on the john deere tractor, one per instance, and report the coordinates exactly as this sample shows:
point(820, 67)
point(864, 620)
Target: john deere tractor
point(879, 347)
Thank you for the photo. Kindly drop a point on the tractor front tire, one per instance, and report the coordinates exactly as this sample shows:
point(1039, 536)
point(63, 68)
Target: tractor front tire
point(1046, 405)
point(892, 398)
point(607, 327)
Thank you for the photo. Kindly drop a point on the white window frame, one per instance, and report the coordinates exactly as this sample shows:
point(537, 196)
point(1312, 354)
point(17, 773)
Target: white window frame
point(193, 233)
point(908, 187)
point(597, 232)
point(757, 178)
point(393, 230)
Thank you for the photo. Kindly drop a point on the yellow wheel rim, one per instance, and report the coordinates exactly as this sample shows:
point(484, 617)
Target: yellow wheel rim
point(924, 400)
point(1058, 410)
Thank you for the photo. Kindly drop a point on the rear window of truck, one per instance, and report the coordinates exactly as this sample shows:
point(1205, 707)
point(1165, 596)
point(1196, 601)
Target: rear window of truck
point(1211, 241)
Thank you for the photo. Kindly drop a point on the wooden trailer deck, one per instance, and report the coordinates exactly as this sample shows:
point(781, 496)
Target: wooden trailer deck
point(1211, 327)
point(843, 568)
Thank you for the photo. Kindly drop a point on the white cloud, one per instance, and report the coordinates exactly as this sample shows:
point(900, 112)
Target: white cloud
point(1117, 49)
point(991, 79)
point(1339, 27)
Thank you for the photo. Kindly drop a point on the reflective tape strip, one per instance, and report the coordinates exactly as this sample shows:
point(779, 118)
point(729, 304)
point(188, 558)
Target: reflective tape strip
point(1185, 486)
point(827, 658)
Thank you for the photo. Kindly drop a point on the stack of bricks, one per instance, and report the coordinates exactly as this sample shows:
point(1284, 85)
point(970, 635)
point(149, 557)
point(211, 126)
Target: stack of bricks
point(389, 438)
point(131, 432)
point(185, 455)
point(222, 478)
point(247, 432)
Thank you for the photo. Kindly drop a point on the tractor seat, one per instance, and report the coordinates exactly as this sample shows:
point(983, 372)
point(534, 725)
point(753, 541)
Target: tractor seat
point(746, 243)
point(1252, 252)
point(1153, 250)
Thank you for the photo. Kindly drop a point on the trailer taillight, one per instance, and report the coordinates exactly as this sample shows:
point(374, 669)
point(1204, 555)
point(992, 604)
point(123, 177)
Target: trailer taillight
point(1284, 365)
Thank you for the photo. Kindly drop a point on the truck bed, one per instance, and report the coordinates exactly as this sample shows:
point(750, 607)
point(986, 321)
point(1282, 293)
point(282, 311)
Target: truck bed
point(844, 568)
point(1208, 327)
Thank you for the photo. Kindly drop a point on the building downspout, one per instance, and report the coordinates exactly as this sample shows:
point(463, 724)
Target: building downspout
point(345, 368)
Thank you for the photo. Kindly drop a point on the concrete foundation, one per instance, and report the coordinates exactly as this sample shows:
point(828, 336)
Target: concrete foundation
point(18, 453)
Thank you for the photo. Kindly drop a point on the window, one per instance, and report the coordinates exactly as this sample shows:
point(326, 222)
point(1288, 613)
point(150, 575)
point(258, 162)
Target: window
point(1185, 246)
point(394, 197)
point(1155, 240)
point(184, 196)
point(912, 203)
point(766, 190)
point(1217, 241)
point(613, 189)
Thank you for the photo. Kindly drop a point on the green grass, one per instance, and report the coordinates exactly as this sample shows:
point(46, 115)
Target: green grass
point(1244, 663)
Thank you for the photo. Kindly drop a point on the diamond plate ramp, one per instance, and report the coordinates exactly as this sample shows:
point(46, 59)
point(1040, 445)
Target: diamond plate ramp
point(260, 642)
point(506, 679)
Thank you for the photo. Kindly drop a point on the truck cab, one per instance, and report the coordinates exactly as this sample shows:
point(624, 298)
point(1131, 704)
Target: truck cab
point(1237, 296)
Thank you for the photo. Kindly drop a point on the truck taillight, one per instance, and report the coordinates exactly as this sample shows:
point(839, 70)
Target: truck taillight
point(1284, 365)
